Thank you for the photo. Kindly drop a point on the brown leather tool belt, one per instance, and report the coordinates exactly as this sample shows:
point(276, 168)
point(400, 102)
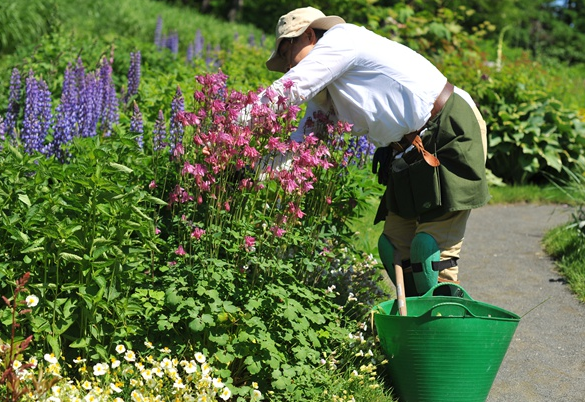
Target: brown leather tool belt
point(407, 140)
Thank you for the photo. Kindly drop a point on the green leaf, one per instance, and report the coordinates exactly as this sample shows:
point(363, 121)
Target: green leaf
point(156, 200)
point(253, 366)
point(121, 168)
point(70, 257)
point(24, 199)
point(197, 325)
point(80, 343)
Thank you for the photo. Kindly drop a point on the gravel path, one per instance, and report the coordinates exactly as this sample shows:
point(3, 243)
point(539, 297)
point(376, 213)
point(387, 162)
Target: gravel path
point(502, 263)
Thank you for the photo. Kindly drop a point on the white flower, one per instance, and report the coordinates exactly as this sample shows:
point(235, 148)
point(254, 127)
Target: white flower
point(148, 344)
point(51, 358)
point(33, 362)
point(100, 369)
point(158, 371)
point(115, 362)
point(200, 357)
point(16, 365)
point(165, 350)
point(178, 383)
point(91, 397)
point(225, 394)
point(146, 374)
point(120, 349)
point(166, 363)
point(56, 390)
point(23, 374)
point(31, 301)
point(79, 360)
point(256, 394)
point(115, 388)
point(217, 383)
point(130, 356)
point(205, 368)
point(86, 385)
point(190, 367)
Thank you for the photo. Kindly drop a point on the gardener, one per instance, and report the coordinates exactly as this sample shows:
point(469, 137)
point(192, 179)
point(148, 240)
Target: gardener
point(430, 137)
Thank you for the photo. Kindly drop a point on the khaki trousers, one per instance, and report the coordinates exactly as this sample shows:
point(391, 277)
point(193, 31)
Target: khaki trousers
point(447, 230)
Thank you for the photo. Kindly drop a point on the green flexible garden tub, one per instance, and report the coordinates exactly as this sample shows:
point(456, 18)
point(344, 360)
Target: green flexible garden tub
point(446, 349)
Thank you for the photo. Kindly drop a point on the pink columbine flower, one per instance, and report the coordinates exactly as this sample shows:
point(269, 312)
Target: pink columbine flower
point(152, 185)
point(197, 233)
point(249, 242)
point(196, 170)
point(295, 211)
point(179, 150)
point(277, 231)
point(180, 251)
point(156, 231)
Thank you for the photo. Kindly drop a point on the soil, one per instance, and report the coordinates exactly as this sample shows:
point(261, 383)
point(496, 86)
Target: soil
point(502, 263)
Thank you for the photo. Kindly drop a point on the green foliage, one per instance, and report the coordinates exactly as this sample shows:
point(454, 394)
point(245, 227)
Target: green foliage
point(82, 231)
point(567, 243)
point(23, 22)
point(264, 310)
point(530, 133)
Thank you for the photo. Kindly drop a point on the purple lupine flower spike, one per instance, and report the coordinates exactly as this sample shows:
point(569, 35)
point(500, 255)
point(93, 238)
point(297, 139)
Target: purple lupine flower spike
point(158, 36)
point(190, 53)
point(89, 105)
point(136, 125)
point(13, 105)
point(252, 40)
point(109, 100)
point(66, 126)
point(37, 115)
point(176, 128)
point(199, 43)
point(159, 133)
point(133, 75)
point(46, 114)
point(2, 132)
point(172, 42)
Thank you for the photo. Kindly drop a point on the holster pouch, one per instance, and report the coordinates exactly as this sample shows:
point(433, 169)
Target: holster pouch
point(415, 187)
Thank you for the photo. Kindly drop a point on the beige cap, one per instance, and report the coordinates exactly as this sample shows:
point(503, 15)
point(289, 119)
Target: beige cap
point(294, 24)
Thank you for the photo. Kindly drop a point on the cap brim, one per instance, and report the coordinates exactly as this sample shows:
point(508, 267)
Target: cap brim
point(277, 63)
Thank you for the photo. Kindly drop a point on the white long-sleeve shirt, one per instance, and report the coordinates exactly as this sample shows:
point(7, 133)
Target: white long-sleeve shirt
point(383, 88)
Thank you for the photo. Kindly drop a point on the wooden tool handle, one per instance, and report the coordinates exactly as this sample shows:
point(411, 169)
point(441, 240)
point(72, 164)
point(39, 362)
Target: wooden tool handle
point(400, 295)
